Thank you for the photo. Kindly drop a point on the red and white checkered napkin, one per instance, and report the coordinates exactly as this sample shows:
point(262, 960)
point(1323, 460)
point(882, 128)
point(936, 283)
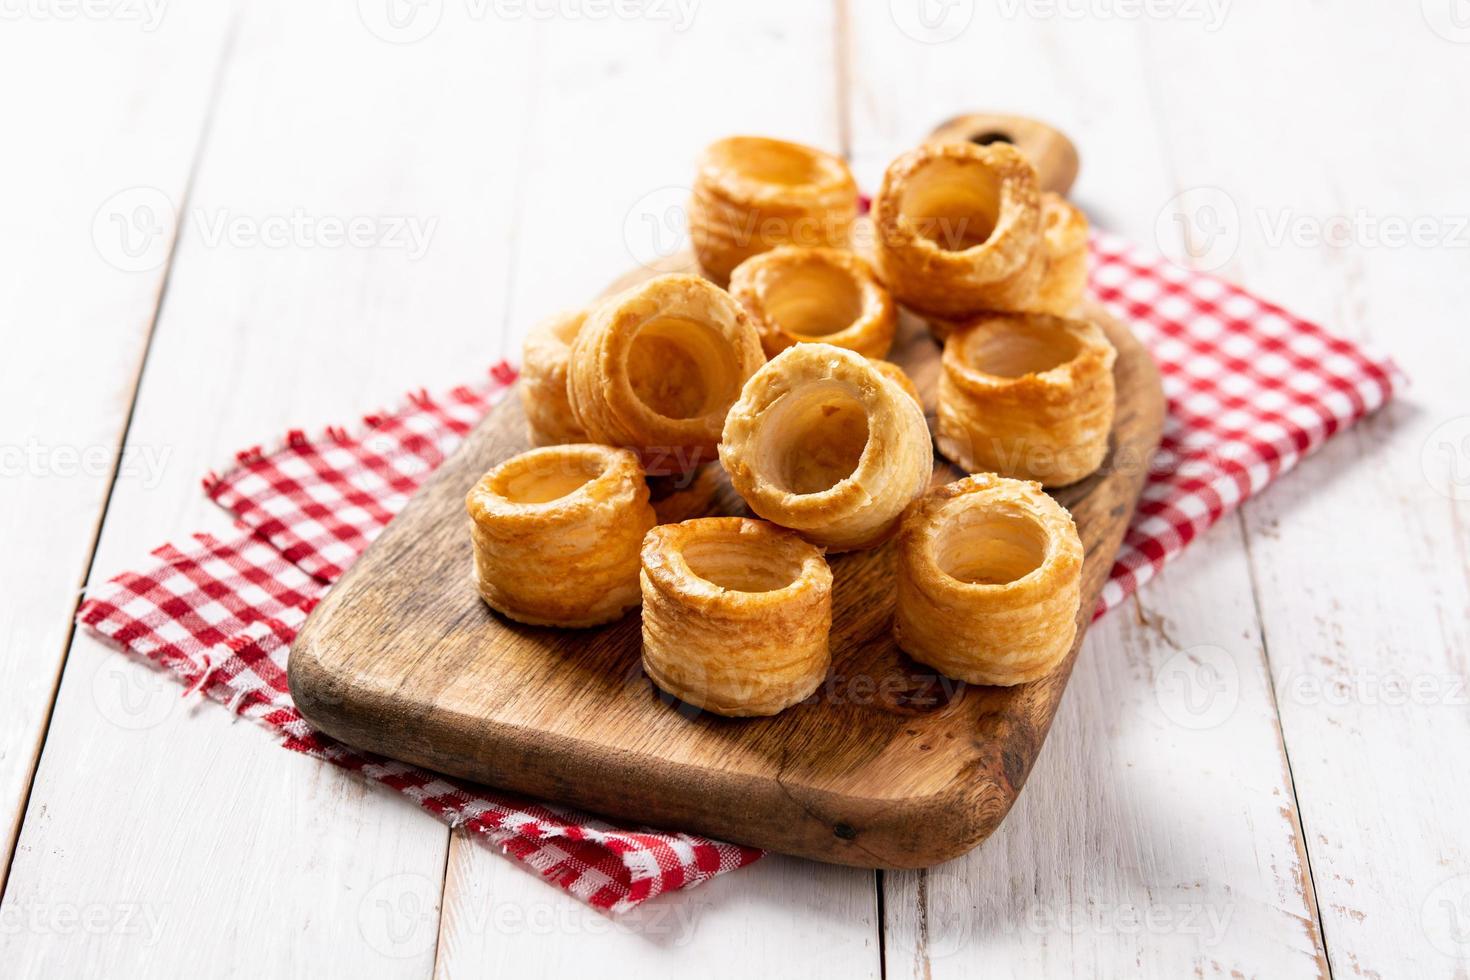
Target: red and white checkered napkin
point(1251, 390)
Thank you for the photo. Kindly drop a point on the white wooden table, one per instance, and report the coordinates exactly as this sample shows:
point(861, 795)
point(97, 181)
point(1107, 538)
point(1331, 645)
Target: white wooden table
point(1260, 767)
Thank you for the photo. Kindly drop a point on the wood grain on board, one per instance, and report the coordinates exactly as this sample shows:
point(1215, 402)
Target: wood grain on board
point(888, 765)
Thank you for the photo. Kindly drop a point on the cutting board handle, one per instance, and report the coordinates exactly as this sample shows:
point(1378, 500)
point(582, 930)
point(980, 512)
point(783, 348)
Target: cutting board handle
point(1053, 154)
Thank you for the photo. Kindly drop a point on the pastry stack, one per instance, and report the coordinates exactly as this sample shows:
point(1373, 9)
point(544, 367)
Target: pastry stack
point(772, 365)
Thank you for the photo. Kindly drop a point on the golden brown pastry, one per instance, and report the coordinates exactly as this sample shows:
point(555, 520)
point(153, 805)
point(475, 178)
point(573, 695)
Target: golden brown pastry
point(989, 581)
point(958, 229)
point(822, 442)
point(1026, 395)
point(896, 374)
point(1062, 281)
point(752, 194)
point(556, 533)
point(656, 367)
point(1049, 150)
point(736, 614)
point(544, 380)
point(796, 295)
point(1063, 256)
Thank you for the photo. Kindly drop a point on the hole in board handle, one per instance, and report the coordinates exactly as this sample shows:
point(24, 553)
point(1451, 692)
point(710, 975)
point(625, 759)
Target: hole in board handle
point(991, 136)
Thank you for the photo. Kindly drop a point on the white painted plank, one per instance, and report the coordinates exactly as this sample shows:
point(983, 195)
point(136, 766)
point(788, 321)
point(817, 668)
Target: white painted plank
point(619, 118)
point(1360, 556)
point(258, 861)
point(779, 917)
point(75, 324)
point(1146, 843)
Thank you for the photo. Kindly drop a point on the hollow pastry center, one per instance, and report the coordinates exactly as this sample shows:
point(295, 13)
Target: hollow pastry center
point(956, 207)
point(681, 368)
point(540, 480)
point(992, 549)
point(742, 564)
point(813, 300)
point(773, 163)
point(814, 439)
point(1010, 350)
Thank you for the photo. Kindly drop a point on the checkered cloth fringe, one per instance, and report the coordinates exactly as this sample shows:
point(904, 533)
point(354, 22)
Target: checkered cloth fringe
point(1251, 389)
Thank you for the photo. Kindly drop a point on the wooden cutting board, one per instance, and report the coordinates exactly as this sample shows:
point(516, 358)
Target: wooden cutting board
point(888, 765)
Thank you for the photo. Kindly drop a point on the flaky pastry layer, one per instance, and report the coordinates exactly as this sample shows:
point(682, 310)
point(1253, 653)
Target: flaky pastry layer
point(556, 533)
point(656, 367)
point(752, 194)
point(989, 574)
point(958, 229)
point(1062, 262)
point(736, 614)
point(898, 376)
point(1063, 257)
point(1026, 395)
point(823, 442)
point(825, 295)
point(543, 382)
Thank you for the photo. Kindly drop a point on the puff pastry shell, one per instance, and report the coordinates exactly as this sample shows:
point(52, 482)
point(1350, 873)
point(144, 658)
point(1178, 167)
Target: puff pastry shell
point(547, 350)
point(1062, 276)
point(826, 295)
point(1063, 257)
point(556, 534)
point(989, 581)
point(656, 367)
point(896, 374)
point(752, 194)
point(958, 229)
point(823, 442)
point(736, 614)
point(1026, 395)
